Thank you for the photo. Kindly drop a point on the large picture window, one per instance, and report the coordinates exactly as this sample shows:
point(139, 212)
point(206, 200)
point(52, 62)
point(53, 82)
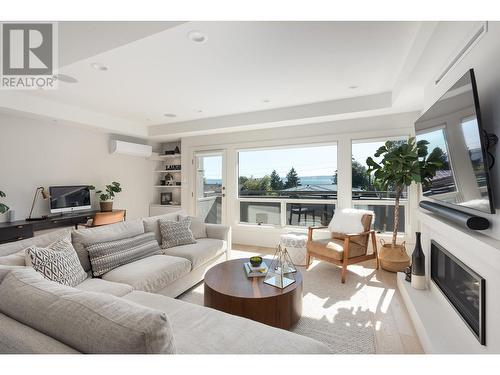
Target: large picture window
point(296, 173)
point(295, 186)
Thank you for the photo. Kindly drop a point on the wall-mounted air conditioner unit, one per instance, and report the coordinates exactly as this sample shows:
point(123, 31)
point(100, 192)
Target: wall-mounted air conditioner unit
point(129, 148)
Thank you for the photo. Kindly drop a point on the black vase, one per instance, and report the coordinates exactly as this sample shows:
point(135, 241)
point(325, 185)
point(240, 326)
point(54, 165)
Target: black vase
point(418, 265)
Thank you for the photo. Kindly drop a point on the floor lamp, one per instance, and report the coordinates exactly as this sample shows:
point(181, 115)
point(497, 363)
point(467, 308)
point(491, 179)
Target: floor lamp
point(45, 195)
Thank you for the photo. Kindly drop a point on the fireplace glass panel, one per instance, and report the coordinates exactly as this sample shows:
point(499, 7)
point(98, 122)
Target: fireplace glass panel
point(462, 287)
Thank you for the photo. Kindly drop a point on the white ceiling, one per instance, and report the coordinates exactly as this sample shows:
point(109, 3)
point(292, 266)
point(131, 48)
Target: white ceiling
point(245, 74)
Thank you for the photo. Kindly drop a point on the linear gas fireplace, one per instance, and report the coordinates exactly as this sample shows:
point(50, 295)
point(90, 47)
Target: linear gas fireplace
point(463, 287)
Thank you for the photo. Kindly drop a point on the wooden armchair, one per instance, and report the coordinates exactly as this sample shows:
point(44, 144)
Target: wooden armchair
point(106, 218)
point(343, 249)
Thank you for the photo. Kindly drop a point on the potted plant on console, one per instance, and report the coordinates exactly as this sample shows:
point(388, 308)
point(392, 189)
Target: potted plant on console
point(3, 207)
point(403, 163)
point(106, 197)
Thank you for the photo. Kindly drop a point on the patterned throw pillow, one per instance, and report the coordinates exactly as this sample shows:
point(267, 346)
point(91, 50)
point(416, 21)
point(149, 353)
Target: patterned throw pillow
point(105, 256)
point(58, 262)
point(176, 233)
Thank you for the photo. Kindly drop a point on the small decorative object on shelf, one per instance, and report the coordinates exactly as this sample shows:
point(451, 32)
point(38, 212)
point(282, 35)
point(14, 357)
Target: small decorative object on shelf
point(176, 150)
point(281, 270)
point(165, 198)
point(168, 152)
point(173, 167)
point(418, 266)
point(169, 179)
point(162, 182)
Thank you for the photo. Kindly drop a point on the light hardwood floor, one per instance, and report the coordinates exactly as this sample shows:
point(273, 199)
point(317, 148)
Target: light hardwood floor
point(394, 331)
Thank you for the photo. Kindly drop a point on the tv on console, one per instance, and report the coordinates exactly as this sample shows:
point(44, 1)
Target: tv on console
point(69, 198)
point(453, 128)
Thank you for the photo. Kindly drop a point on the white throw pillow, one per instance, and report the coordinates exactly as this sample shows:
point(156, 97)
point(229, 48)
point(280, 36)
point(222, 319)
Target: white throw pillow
point(348, 221)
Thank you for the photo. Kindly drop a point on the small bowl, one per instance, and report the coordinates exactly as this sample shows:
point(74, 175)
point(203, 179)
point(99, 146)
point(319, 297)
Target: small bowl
point(256, 261)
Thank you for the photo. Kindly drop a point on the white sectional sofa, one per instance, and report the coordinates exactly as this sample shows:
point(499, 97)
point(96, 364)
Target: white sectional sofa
point(148, 284)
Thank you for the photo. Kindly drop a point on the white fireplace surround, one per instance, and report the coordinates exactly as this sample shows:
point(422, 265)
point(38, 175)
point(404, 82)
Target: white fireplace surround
point(439, 327)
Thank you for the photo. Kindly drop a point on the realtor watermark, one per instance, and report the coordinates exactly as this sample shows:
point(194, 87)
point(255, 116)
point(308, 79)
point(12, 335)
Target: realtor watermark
point(28, 55)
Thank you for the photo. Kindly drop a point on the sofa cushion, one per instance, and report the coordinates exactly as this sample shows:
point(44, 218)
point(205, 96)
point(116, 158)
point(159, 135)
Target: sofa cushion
point(105, 256)
point(40, 241)
point(17, 259)
point(102, 286)
point(150, 274)
point(199, 253)
point(58, 262)
point(199, 330)
point(82, 238)
point(176, 233)
point(151, 224)
point(88, 322)
point(198, 227)
point(18, 338)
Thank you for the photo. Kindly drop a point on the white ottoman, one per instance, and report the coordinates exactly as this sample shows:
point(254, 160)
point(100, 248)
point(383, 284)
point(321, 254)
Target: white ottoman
point(295, 244)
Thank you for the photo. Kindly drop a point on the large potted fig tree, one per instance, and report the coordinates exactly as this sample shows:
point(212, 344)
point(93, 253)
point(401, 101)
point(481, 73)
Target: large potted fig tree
point(106, 197)
point(402, 163)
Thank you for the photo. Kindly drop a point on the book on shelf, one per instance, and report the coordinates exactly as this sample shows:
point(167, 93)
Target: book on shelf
point(255, 271)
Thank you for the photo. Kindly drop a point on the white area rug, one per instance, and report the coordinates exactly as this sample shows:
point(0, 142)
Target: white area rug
point(336, 314)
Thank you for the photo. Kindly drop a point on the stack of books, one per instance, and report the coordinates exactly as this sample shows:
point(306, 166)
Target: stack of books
point(255, 271)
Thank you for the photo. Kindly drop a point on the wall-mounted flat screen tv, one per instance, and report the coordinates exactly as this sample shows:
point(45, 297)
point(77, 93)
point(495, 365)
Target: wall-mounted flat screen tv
point(69, 198)
point(453, 128)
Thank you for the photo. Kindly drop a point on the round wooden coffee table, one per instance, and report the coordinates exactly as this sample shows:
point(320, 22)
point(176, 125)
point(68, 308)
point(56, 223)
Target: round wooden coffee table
point(228, 289)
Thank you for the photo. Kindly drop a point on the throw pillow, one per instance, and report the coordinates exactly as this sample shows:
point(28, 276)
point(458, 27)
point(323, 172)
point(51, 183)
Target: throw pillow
point(198, 227)
point(348, 221)
point(176, 233)
point(105, 256)
point(58, 262)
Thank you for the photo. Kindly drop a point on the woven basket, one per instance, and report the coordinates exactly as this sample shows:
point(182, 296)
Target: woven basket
point(393, 259)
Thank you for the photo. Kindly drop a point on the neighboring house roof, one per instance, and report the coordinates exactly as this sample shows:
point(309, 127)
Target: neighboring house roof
point(311, 188)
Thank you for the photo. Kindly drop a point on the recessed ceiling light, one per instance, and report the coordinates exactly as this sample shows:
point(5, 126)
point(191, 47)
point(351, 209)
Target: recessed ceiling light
point(353, 87)
point(170, 115)
point(266, 101)
point(197, 36)
point(65, 78)
point(99, 66)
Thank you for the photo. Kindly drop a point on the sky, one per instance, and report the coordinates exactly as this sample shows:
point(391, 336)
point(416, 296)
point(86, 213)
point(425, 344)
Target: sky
point(307, 161)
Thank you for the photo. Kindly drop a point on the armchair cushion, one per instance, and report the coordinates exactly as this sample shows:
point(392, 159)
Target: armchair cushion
point(334, 248)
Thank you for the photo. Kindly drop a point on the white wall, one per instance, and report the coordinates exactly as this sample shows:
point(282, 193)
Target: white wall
point(342, 132)
point(484, 58)
point(41, 153)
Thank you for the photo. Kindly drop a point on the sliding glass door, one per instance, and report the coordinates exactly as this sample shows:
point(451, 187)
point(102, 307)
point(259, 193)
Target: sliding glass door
point(210, 189)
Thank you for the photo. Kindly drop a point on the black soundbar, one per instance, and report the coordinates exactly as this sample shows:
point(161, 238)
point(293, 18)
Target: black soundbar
point(461, 218)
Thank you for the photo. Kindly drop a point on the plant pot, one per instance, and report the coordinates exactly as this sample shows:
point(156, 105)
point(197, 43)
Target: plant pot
point(393, 258)
point(106, 206)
